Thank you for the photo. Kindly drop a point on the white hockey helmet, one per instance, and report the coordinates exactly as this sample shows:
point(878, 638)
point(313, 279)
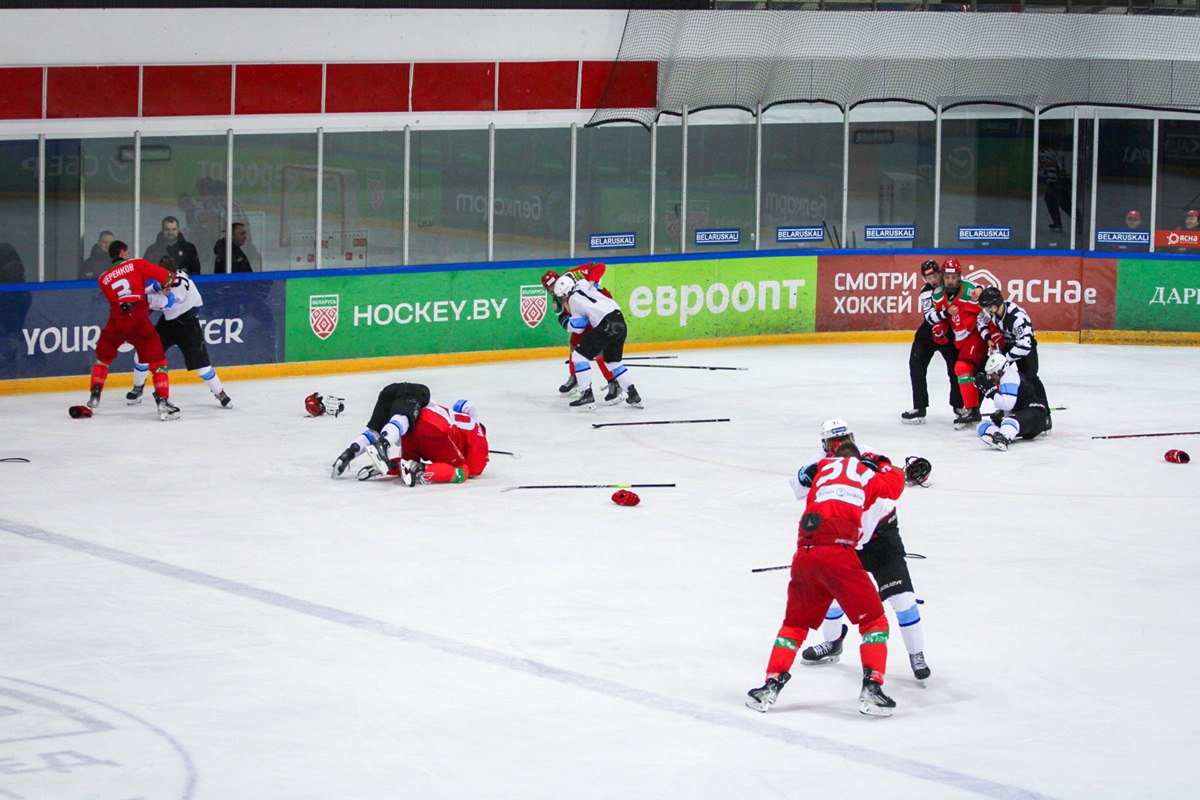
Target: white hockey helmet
point(995, 364)
point(835, 433)
point(564, 285)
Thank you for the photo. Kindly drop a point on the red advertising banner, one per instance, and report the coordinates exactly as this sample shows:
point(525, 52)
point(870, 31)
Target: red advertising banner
point(1182, 239)
point(880, 293)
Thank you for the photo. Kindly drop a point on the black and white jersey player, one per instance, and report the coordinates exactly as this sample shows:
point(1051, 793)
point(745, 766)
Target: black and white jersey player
point(179, 326)
point(1008, 329)
point(588, 311)
point(1020, 412)
point(881, 551)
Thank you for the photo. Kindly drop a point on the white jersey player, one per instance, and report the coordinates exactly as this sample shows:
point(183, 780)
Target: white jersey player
point(584, 307)
point(882, 554)
point(179, 325)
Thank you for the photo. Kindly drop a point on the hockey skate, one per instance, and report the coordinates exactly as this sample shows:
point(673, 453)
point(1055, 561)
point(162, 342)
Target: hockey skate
point(996, 440)
point(341, 462)
point(825, 652)
point(94, 399)
point(914, 417)
point(632, 397)
point(411, 472)
point(613, 395)
point(167, 410)
point(377, 451)
point(570, 388)
point(134, 395)
point(920, 669)
point(223, 399)
point(586, 400)
point(765, 696)
point(969, 416)
point(872, 702)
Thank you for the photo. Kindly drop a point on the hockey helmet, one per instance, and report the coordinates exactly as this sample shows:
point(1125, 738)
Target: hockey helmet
point(917, 471)
point(549, 277)
point(951, 266)
point(995, 364)
point(990, 296)
point(564, 285)
point(930, 267)
point(835, 433)
point(316, 405)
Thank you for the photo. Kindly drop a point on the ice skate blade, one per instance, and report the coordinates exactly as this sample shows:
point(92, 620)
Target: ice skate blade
point(367, 472)
point(757, 705)
point(874, 711)
point(817, 662)
point(913, 421)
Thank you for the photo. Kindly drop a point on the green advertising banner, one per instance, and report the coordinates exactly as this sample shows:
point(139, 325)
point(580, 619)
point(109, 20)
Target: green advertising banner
point(367, 316)
point(673, 300)
point(1157, 296)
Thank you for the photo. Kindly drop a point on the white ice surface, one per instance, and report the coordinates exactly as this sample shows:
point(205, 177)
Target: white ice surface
point(196, 609)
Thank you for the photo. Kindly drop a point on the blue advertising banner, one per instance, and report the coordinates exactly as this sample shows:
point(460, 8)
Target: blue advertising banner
point(1122, 237)
point(51, 331)
point(889, 233)
point(612, 241)
point(719, 236)
point(984, 233)
point(800, 233)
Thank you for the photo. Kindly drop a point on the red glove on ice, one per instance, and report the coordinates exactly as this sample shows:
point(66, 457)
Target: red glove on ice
point(624, 497)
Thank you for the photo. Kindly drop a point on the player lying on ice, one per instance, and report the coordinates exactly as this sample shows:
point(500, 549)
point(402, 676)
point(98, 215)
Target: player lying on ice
point(434, 444)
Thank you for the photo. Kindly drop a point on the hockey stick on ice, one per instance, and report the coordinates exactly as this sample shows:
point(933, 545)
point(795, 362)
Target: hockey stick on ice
point(592, 486)
point(505, 453)
point(789, 566)
point(15, 460)
point(645, 358)
point(1148, 435)
point(656, 422)
point(688, 366)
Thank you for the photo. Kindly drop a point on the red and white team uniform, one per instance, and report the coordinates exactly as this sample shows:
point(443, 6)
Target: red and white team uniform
point(826, 567)
point(125, 287)
point(955, 311)
point(453, 443)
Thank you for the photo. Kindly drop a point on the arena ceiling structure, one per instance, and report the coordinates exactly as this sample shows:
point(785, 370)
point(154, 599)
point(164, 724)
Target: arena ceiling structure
point(752, 61)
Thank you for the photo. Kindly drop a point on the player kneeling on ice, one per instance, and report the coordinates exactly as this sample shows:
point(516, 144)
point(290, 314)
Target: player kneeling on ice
point(1020, 410)
point(584, 305)
point(434, 444)
point(825, 568)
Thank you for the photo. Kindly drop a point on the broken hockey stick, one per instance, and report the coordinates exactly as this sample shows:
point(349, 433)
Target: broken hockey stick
point(505, 453)
point(592, 486)
point(657, 422)
point(789, 566)
point(688, 366)
point(1148, 435)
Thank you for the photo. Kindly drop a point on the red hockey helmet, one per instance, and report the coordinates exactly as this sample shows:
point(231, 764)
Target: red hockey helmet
point(951, 266)
point(314, 404)
point(548, 279)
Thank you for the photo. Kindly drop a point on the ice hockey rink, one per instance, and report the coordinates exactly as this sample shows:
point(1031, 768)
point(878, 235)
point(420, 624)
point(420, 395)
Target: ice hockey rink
point(196, 610)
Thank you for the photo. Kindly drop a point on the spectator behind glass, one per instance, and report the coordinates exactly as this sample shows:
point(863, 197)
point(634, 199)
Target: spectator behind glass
point(170, 242)
point(1192, 221)
point(98, 261)
point(241, 251)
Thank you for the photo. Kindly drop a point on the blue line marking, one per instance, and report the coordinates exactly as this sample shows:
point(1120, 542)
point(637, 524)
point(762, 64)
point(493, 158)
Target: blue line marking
point(744, 721)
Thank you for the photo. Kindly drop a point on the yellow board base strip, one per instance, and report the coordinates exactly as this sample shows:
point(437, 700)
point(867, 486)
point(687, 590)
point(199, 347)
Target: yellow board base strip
point(79, 383)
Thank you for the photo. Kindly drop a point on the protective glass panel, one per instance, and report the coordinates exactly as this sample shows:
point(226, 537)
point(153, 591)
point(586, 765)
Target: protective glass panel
point(668, 202)
point(89, 189)
point(801, 184)
point(363, 225)
point(449, 190)
point(721, 185)
point(1177, 229)
point(275, 195)
point(890, 199)
point(532, 208)
point(183, 199)
point(1123, 185)
point(18, 211)
point(613, 191)
point(987, 170)
point(1055, 207)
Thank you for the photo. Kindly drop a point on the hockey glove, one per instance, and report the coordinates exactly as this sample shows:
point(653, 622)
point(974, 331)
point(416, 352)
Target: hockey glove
point(941, 334)
point(996, 417)
point(563, 319)
point(874, 460)
point(806, 475)
point(127, 307)
point(997, 340)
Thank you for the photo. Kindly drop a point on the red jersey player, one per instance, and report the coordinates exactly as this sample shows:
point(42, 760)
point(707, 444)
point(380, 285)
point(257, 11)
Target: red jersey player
point(124, 286)
point(955, 309)
point(592, 272)
point(825, 567)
